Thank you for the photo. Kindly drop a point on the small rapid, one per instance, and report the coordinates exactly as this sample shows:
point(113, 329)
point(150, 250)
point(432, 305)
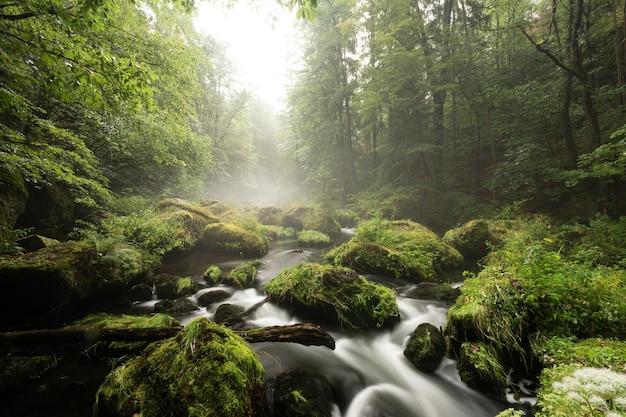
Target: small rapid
point(368, 371)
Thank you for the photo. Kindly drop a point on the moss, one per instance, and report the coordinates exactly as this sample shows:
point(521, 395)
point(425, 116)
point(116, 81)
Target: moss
point(436, 292)
point(244, 275)
point(177, 204)
point(313, 238)
point(14, 197)
point(234, 239)
point(336, 293)
point(213, 274)
point(479, 366)
point(592, 352)
point(401, 249)
point(302, 394)
point(206, 370)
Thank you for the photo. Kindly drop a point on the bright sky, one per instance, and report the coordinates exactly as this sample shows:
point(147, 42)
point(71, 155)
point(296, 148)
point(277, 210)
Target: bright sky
point(259, 41)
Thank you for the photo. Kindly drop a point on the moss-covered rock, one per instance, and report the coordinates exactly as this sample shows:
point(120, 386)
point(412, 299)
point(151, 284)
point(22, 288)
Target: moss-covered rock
point(62, 279)
point(426, 348)
point(170, 287)
point(233, 239)
point(206, 370)
point(302, 394)
point(473, 239)
point(213, 274)
point(178, 307)
point(400, 249)
point(229, 314)
point(435, 292)
point(202, 214)
point(269, 215)
point(211, 297)
point(244, 275)
point(334, 293)
point(103, 321)
point(480, 366)
point(313, 238)
point(139, 292)
point(32, 243)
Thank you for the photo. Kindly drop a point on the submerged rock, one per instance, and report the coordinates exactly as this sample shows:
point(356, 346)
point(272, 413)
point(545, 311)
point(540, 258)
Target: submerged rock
point(302, 394)
point(426, 348)
point(213, 296)
point(336, 294)
point(206, 370)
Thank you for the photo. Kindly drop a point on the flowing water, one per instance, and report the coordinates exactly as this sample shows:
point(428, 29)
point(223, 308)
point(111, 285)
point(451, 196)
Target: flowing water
point(368, 371)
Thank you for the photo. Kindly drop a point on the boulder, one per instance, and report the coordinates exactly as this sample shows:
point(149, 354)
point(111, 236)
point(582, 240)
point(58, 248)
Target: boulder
point(269, 215)
point(435, 292)
point(140, 292)
point(178, 307)
point(479, 365)
point(206, 370)
point(426, 348)
point(211, 297)
point(231, 238)
point(302, 394)
point(472, 239)
point(61, 281)
point(229, 314)
point(170, 287)
point(32, 243)
point(335, 294)
point(213, 274)
point(398, 249)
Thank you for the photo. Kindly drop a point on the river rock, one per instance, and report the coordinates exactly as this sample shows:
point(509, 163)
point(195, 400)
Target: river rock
point(213, 296)
point(170, 287)
point(302, 394)
point(177, 307)
point(426, 348)
point(244, 275)
point(206, 370)
point(140, 292)
point(335, 294)
point(229, 314)
point(435, 292)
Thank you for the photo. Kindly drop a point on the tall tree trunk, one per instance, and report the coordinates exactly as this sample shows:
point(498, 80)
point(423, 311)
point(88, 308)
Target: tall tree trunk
point(568, 131)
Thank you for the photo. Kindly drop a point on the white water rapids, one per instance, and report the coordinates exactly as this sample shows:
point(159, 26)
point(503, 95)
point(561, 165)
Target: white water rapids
point(368, 371)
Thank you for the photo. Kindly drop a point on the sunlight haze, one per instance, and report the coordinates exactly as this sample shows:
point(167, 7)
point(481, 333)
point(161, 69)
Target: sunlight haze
point(259, 41)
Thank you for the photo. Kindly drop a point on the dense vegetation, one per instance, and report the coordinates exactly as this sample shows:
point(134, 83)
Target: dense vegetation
point(405, 117)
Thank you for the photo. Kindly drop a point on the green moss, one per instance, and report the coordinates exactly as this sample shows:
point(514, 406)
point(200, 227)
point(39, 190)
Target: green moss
point(243, 275)
point(199, 212)
point(204, 371)
point(473, 239)
point(313, 238)
point(234, 239)
point(339, 293)
point(213, 274)
point(426, 348)
point(401, 249)
point(592, 352)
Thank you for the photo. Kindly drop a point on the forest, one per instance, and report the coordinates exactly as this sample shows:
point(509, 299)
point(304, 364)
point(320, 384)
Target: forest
point(127, 141)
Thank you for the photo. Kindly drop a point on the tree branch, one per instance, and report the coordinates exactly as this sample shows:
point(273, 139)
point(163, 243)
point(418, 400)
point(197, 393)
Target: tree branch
point(552, 57)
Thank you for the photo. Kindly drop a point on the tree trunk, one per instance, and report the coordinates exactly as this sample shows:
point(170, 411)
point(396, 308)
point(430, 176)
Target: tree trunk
point(305, 334)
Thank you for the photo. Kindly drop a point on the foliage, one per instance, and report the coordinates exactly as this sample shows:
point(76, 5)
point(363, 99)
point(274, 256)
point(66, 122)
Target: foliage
point(213, 274)
point(338, 292)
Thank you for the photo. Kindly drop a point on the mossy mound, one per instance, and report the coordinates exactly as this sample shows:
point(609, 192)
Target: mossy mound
point(189, 219)
point(400, 249)
point(102, 321)
point(269, 215)
point(309, 218)
point(473, 239)
point(233, 239)
point(346, 218)
point(213, 274)
point(313, 238)
point(244, 275)
point(480, 367)
point(201, 213)
point(426, 348)
point(171, 287)
point(60, 280)
point(336, 294)
point(302, 394)
point(206, 370)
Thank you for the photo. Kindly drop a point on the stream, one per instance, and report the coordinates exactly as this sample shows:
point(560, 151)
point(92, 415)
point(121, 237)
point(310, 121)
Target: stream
point(368, 371)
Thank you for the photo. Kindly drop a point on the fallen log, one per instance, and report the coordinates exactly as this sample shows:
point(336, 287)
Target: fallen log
point(305, 334)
